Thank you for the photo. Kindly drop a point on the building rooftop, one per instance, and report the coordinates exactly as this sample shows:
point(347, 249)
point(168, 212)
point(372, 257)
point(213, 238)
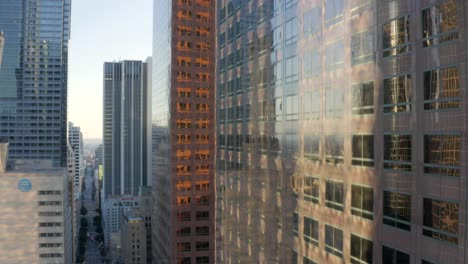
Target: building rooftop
point(132, 218)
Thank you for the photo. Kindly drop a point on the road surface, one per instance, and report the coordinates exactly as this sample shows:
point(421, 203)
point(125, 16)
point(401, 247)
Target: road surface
point(92, 255)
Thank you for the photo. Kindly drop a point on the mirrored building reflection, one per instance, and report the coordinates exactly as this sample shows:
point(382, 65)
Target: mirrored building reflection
point(33, 78)
point(341, 128)
point(183, 131)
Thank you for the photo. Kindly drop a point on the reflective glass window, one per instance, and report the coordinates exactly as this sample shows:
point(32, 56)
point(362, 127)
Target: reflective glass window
point(202, 245)
point(334, 103)
point(311, 231)
point(334, 148)
point(292, 143)
point(397, 94)
point(363, 98)
point(277, 105)
point(361, 250)
point(334, 241)
point(333, 12)
point(362, 201)
point(442, 154)
point(442, 89)
point(393, 256)
point(362, 48)
point(306, 260)
point(396, 37)
point(397, 210)
point(312, 21)
point(334, 195)
point(295, 223)
point(311, 189)
point(183, 216)
point(291, 31)
point(441, 220)
point(292, 69)
point(363, 150)
point(183, 231)
point(439, 23)
point(334, 55)
point(311, 147)
point(311, 64)
point(397, 152)
point(202, 260)
point(292, 107)
point(290, 3)
point(312, 102)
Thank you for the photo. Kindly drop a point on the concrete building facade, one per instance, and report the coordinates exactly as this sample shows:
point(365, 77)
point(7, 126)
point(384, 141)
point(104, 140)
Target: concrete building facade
point(36, 213)
point(133, 238)
point(341, 131)
point(113, 210)
point(183, 126)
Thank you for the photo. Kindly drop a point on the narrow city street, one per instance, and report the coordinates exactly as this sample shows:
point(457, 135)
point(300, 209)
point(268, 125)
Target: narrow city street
point(92, 255)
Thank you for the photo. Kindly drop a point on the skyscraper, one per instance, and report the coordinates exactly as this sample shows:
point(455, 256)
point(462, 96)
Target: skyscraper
point(126, 140)
point(33, 78)
point(183, 126)
point(125, 132)
point(75, 138)
point(341, 132)
point(36, 219)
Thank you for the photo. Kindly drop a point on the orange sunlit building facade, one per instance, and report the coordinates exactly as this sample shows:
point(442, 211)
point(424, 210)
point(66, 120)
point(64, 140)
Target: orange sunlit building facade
point(183, 119)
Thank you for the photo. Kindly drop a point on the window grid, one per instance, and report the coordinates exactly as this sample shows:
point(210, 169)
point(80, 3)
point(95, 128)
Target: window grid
point(334, 195)
point(439, 23)
point(361, 250)
point(334, 241)
point(441, 220)
point(397, 210)
point(396, 37)
point(311, 231)
point(362, 201)
point(311, 189)
point(442, 89)
point(442, 154)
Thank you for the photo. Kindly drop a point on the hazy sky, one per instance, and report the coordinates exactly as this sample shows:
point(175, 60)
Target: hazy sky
point(102, 30)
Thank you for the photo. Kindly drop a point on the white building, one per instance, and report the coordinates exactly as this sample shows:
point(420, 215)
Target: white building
point(113, 209)
point(75, 138)
point(35, 223)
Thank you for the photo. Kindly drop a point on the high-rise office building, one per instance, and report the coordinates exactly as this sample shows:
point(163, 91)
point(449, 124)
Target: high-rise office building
point(125, 133)
point(75, 201)
point(98, 156)
point(125, 145)
point(33, 78)
point(341, 131)
point(36, 218)
point(183, 126)
point(75, 138)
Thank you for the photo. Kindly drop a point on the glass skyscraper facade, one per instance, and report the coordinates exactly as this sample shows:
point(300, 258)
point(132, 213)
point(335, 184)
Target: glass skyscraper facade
point(125, 123)
point(341, 131)
point(33, 78)
point(183, 131)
